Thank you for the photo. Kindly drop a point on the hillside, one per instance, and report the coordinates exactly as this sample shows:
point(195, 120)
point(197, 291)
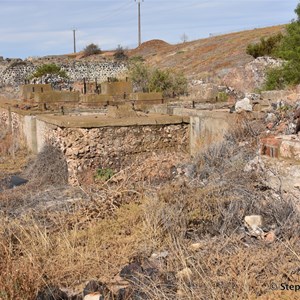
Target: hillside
point(203, 56)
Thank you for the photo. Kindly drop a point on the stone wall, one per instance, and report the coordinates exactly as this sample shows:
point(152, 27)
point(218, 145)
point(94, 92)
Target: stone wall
point(14, 73)
point(112, 147)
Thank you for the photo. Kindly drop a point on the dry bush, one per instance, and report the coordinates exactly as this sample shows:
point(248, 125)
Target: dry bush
point(230, 268)
point(94, 236)
point(210, 209)
point(7, 145)
point(49, 167)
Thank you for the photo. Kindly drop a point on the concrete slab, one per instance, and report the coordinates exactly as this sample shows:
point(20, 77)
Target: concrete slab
point(95, 121)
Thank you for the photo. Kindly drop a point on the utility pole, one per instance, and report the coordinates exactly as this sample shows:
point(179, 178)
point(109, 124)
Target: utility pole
point(139, 21)
point(74, 39)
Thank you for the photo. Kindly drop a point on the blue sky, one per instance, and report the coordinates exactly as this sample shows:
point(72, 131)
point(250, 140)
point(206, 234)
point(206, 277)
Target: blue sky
point(44, 27)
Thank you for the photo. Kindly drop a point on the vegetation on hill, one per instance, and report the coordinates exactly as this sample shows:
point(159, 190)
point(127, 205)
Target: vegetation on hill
point(120, 54)
point(91, 49)
point(49, 69)
point(266, 46)
point(285, 47)
point(146, 79)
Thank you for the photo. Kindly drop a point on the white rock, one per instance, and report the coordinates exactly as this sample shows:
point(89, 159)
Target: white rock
point(243, 105)
point(254, 222)
point(157, 255)
point(256, 164)
point(271, 117)
point(93, 296)
point(196, 246)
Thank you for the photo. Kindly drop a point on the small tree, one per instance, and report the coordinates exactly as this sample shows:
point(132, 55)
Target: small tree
point(289, 50)
point(49, 69)
point(91, 49)
point(120, 54)
point(167, 81)
point(139, 75)
point(184, 38)
point(266, 46)
point(161, 81)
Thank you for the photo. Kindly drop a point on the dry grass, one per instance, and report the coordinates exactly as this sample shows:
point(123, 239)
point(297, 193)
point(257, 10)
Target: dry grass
point(112, 222)
point(33, 257)
point(214, 53)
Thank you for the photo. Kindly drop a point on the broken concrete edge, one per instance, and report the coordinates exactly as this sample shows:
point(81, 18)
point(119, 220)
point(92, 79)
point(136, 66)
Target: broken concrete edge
point(281, 147)
point(10, 107)
point(104, 121)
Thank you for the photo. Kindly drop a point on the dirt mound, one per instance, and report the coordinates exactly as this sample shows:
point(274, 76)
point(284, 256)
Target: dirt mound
point(150, 47)
point(210, 58)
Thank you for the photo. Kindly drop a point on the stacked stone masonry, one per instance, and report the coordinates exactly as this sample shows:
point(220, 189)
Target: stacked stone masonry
point(14, 73)
point(114, 147)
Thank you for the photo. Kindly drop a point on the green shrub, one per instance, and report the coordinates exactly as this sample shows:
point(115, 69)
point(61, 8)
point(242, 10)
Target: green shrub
point(168, 82)
point(139, 75)
point(289, 50)
point(266, 46)
point(49, 69)
point(160, 81)
point(283, 77)
point(222, 97)
point(104, 174)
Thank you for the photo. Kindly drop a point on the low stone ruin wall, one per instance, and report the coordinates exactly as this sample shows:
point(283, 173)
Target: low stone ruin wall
point(112, 147)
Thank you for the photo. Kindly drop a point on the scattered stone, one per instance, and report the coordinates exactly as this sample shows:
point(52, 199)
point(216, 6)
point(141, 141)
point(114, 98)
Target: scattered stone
point(253, 222)
point(94, 296)
point(243, 105)
point(256, 164)
point(270, 237)
point(159, 255)
point(252, 75)
point(271, 118)
point(131, 271)
point(195, 246)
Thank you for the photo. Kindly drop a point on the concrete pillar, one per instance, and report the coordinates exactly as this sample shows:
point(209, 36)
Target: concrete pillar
point(195, 135)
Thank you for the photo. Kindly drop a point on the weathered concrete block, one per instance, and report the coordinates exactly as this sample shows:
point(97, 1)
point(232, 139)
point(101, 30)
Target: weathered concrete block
point(121, 111)
point(275, 96)
point(146, 96)
point(56, 96)
point(116, 88)
point(94, 98)
point(28, 90)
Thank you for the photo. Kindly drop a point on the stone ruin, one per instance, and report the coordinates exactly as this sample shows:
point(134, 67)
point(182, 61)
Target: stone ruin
point(84, 95)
